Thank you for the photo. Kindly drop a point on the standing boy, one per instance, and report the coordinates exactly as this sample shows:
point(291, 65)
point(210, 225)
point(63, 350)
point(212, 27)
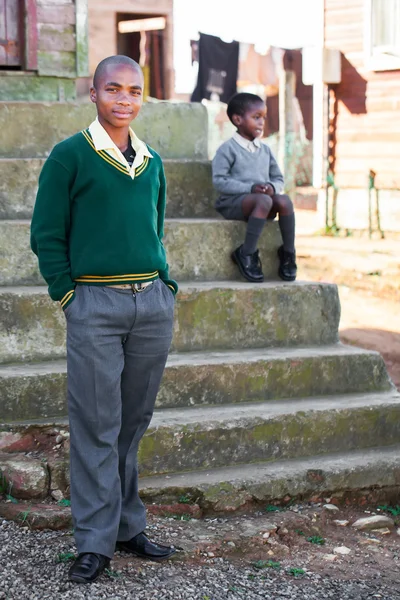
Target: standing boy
point(250, 183)
point(97, 230)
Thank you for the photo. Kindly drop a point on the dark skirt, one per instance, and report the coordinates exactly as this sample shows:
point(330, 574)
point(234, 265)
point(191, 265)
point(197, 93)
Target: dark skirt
point(230, 207)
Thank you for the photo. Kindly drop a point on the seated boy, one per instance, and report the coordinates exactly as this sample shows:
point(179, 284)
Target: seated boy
point(249, 181)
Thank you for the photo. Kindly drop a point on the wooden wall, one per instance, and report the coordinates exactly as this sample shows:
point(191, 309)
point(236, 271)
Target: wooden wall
point(56, 37)
point(368, 104)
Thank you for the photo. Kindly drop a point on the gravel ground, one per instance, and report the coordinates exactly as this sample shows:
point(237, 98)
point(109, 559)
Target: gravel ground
point(30, 569)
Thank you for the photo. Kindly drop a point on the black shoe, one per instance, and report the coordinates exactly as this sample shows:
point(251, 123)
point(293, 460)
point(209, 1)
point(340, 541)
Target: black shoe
point(88, 567)
point(249, 265)
point(287, 268)
point(141, 546)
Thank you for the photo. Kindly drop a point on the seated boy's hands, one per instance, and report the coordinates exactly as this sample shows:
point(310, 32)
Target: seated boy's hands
point(258, 188)
point(270, 190)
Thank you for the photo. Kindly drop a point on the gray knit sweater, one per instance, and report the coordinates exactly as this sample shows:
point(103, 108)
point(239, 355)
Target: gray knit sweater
point(235, 170)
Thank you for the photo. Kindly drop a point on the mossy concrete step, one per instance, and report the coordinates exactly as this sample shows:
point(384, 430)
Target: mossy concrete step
point(198, 250)
point(209, 316)
point(174, 130)
point(348, 475)
point(189, 185)
point(189, 439)
point(37, 391)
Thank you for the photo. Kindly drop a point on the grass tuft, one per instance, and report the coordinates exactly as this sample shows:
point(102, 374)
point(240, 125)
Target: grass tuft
point(316, 539)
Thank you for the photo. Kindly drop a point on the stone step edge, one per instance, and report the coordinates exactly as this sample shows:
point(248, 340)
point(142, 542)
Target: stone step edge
point(193, 285)
point(176, 359)
point(229, 415)
point(364, 477)
point(341, 476)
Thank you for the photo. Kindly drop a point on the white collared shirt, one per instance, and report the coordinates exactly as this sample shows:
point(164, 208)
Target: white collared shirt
point(250, 146)
point(102, 141)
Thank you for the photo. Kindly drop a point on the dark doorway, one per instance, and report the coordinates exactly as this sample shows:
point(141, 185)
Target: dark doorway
point(147, 48)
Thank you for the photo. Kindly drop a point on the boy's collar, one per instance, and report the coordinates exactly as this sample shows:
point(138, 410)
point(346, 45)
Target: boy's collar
point(103, 141)
point(244, 142)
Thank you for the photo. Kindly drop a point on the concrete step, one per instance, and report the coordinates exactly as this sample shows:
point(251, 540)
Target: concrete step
point(209, 316)
point(35, 391)
point(198, 249)
point(347, 475)
point(192, 439)
point(190, 191)
point(45, 124)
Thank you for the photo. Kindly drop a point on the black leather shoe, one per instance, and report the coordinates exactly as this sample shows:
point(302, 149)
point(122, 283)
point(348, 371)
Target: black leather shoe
point(287, 267)
point(141, 546)
point(88, 567)
point(249, 265)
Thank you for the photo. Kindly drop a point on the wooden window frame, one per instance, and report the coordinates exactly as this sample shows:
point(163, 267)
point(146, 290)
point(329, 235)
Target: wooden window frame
point(30, 35)
point(376, 59)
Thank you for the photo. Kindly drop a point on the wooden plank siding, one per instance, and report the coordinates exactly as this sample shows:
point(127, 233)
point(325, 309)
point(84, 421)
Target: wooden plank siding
point(368, 104)
point(56, 23)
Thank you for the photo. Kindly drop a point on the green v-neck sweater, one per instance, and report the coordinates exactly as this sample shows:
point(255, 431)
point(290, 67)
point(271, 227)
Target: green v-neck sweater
point(93, 224)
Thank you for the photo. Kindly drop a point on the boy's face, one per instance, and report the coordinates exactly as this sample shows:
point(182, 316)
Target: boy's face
point(251, 124)
point(119, 95)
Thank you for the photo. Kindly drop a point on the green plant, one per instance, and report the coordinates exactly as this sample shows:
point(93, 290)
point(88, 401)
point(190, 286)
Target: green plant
point(23, 515)
point(393, 510)
point(184, 499)
point(113, 574)
point(316, 539)
point(296, 572)
point(64, 557)
point(64, 502)
point(299, 532)
point(273, 508)
point(11, 499)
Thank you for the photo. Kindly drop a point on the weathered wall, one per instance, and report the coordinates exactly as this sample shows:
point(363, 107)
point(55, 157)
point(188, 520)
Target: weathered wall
point(56, 53)
point(103, 29)
point(368, 117)
point(56, 37)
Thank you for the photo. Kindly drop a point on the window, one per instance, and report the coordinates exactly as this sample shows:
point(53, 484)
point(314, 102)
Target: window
point(382, 34)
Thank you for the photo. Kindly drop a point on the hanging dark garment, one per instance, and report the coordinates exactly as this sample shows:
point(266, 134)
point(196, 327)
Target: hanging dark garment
point(218, 68)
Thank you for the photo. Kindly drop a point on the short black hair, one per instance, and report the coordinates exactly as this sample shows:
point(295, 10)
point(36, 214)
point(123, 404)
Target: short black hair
point(240, 103)
point(118, 59)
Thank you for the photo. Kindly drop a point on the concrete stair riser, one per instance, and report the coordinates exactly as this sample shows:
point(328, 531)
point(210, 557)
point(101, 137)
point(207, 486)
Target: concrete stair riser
point(344, 475)
point(39, 391)
point(302, 432)
point(209, 317)
point(370, 476)
point(197, 250)
point(186, 440)
point(173, 130)
point(190, 191)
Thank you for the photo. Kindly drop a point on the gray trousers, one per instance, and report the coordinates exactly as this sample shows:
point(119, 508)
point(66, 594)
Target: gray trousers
point(117, 347)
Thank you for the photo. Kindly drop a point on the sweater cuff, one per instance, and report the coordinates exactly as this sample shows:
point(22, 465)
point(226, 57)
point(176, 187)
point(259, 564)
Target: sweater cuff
point(67, 299)
point(171, 283)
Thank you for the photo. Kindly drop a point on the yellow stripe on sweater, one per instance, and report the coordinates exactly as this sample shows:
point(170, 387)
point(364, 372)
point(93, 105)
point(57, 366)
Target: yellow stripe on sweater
point(106, 156)
point(66, 298)
point(112, 161)
point(115, 278)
